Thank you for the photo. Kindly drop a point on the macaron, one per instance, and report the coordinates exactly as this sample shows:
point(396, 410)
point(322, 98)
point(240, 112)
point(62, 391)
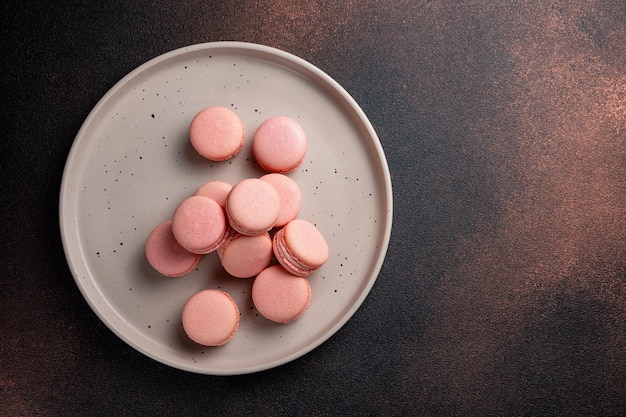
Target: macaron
point(217, 133)
point(252, 206)
point(245, 256)
point(300, 247)
point(290, 197)
point(199, 224)
point(166, 255)
point(215, 189)
point(210, 317)
point(279, 144)
point(280, 296)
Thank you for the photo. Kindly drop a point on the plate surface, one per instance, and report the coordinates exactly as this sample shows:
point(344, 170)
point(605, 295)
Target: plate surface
point(131, 164)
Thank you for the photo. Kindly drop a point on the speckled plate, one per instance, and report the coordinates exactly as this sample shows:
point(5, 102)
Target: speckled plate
point(131, 164)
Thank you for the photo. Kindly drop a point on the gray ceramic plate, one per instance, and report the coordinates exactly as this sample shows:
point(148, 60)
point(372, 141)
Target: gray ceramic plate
point(131, 165)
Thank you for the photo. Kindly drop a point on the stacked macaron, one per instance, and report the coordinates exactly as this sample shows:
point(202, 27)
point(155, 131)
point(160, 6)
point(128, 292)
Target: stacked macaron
point(253, 226)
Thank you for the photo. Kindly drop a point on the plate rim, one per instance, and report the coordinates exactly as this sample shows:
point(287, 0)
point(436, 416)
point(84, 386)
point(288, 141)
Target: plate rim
point(65, 224)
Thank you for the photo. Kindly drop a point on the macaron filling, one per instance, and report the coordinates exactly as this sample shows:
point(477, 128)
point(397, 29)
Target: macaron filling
point(287, 260)
point(300, 247)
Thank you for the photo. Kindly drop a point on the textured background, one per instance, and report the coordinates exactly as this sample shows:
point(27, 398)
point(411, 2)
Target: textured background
point(504, 288)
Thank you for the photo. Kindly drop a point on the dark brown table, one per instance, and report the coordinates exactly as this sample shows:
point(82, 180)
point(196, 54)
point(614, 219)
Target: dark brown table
point(504, 287)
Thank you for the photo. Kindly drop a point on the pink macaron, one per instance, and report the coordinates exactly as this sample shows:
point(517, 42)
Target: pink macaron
point(245, 256)
point(300, 247)
point(215, 189)
point(252, 206)
point(199, 224)
point(290, 197)
point(217, 133)
point(210, 317)
point(166, 255)
point(280, 296)
point(279, 144)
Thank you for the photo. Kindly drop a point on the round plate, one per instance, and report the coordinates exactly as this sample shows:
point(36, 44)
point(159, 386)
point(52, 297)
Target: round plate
point(131, 164)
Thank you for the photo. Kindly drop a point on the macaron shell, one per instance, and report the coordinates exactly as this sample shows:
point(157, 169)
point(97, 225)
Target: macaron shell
point(279, 144)
point(217, 190)
point(166, 255)
point(217, 133)
point(290, 197)
point(280, 296)
point(199, 224)
point(210, 317)
point(252, 206)
point(245, 256)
